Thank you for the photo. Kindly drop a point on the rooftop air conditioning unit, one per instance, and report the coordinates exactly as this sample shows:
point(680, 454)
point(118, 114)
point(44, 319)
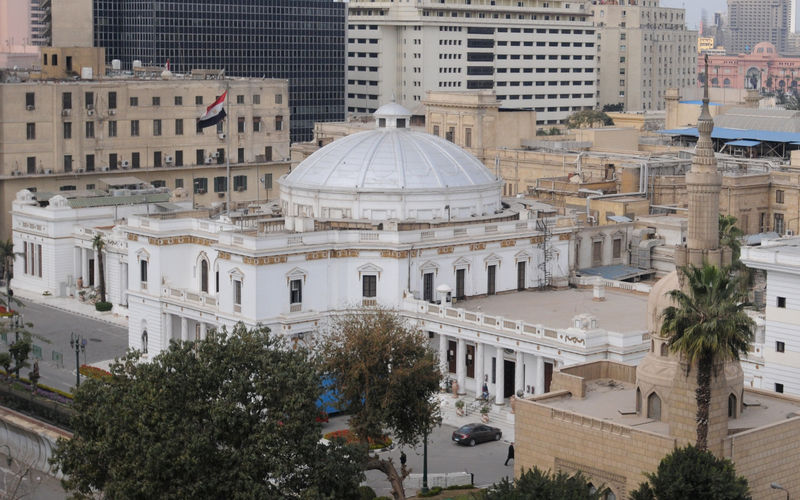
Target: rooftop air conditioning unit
point(66, 112)
point(221, 136)
point(240, 189)
point(215, 154)
point(125, 164)
point(90, 112)
point(90, 106)
point(221, 195)
point(168, 159)
point(16, 172)
point(209, 160)
point(30, 107)
point(48, 171)
point(104, 168)
point(81, 170)
point(201, 191)
point(112, 112)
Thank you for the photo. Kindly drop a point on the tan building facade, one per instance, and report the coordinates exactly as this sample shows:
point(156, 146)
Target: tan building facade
point(64, 135)
point(642, 51)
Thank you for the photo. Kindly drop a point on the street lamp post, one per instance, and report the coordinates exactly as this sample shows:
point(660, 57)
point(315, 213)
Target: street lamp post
point(776, 486)
point(78, 343)
point(425, 464)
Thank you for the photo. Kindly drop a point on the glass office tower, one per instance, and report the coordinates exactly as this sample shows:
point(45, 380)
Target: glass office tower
point(300, 40)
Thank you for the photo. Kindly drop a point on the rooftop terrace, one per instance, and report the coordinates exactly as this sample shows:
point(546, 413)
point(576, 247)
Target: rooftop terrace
point(620, 312)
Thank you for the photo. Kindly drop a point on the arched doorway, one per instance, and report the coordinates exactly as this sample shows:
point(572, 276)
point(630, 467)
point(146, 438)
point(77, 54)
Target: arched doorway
point(654, 406)
point(752, 79)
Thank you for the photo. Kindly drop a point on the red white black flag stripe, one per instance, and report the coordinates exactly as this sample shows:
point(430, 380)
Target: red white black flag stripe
point(215, 113)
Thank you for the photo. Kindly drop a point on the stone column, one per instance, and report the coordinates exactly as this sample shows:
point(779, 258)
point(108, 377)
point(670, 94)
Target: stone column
point(478, 368)
point(539, 375)
point(84, 267)
point(203, 331)
point(184, 329)
point(500, 377)
point(168, 328)
point(461, 366)
point(443, 352)
point(519, 374)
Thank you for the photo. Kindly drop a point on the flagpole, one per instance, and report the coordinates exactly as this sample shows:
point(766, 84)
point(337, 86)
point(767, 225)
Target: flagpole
point(228, 149)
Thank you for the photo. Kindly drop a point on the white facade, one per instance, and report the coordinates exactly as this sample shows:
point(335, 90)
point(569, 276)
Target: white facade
point(780, 344)
point(535, 55)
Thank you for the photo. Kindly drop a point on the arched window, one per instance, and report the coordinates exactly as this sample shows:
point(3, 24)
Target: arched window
point(726, 82)
point(654, 406)
point(204, 275)
point(664, 349)
point(144, 342)
point(732, 406)
point(638, 401)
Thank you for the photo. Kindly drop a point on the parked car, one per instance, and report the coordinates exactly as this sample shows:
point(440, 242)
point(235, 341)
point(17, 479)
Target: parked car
point(471, 434)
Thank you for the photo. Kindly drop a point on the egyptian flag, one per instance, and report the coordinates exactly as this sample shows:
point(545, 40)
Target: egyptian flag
point(215, 113)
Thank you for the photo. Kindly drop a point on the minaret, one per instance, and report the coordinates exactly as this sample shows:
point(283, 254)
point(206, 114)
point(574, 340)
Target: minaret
point(703, 184)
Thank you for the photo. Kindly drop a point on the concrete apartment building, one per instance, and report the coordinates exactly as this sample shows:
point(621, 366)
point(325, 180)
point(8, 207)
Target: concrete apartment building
point(642, 50)
point(754, 21)
point(64, 135)
point(535, 55)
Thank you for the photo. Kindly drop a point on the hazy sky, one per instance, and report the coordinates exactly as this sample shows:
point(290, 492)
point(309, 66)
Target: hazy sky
point(693, 8)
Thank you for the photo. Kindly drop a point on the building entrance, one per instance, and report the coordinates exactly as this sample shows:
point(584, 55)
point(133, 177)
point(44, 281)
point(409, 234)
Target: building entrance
point(508, 378)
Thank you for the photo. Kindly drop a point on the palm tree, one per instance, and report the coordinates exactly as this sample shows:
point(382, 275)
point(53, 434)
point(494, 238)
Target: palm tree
point(730, 235)
point(99, 244)
point(707, 325)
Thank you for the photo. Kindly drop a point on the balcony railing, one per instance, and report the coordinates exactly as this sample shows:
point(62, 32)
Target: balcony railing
point(188, 296)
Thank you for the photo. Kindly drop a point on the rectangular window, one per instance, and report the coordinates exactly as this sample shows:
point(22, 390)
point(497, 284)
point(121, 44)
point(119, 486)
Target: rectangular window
point(436, 130)
point(30, 131)
point(198, 99)
point(90, 130)
point(134, 101)
point(778, 228)
point(143, 273)
point(134, 128)
point(220, 184)
point(781, 303)
point(278, 122)
point(240, 155)
point(256, 124)
point(296, 292)
point(780, 346)
point(460, 281)
point(617, 248)
point(779, 196)
point(178, 183)
point(256, 98)
point(156, 158)
point(112, 128)
point(67, 163)
point(240, 99)
point(197, 128)
point(240, 124)
point(427, 287)
point(135, 160)
point(156, 127)
point(200, 157)
point(156, 101)
point(112, 161)
point(237, 293)
point(778, 388)
point(66, 100)
point(468, 137)
point(89, 100)
point(369, 286)
point(90, 163)
point(30, 100)
point(112, 100)
point(278, 98)
point(491, 273)
point(201, 185)
point(178, 100)
point(179, 126)
point(39, 260)
point(179, 158)
point(240, 182)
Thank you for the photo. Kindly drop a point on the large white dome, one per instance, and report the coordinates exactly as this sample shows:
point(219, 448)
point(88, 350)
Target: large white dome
point(390, 172)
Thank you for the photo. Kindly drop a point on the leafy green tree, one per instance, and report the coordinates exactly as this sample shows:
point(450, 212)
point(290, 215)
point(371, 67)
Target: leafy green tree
point(534, 483)
point(707, 325)
point(588, 118)
point(693, 473)
point(233, 416)
point(5, 362)
point(386, 376)
point(99, 244)
point(7, 255)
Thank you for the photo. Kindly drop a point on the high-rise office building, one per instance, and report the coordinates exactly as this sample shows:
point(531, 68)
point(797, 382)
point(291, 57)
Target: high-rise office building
point(643, 49)
point(753, 21)
point(40, 22)
point(299, 40)
point(535, 55)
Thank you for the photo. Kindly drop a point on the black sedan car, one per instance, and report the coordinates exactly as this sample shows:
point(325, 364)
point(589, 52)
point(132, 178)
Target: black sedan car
point(472, 434)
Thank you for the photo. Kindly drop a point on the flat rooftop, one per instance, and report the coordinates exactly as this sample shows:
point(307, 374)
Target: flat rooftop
point(608, 399)
point(621, 311)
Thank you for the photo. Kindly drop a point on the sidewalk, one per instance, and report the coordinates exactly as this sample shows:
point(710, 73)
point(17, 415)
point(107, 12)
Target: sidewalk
point(72, 306)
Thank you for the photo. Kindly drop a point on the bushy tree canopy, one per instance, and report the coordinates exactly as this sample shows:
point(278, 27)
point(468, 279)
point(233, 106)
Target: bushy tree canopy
point(233, 416)
point(693, 473)
point(588, 118)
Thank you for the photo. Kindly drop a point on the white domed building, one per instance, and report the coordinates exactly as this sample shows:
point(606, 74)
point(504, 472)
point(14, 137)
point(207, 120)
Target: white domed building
point(389, 216)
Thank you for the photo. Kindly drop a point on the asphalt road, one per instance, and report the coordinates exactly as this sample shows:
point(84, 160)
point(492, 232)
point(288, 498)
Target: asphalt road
point(484, 460)
point(103, 342)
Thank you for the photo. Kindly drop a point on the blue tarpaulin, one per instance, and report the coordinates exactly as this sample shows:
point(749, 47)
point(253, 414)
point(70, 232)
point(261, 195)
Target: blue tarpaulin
point(732, 134)
point(744, 143)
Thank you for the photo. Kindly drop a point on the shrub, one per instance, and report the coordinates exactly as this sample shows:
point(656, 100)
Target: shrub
point(94, 372)
point(351, 438)
point(366, 493)
point(431, 492)
point(103, 306)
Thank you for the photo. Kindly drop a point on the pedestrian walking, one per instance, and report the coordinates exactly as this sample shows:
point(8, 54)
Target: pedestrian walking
point(510, 453)
point(403, 459)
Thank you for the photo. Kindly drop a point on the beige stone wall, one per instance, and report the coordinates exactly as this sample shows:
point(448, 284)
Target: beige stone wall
point(616, 139)
point(171, 177)
point(766, 455)
point(66, 62)
point(609, 454)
